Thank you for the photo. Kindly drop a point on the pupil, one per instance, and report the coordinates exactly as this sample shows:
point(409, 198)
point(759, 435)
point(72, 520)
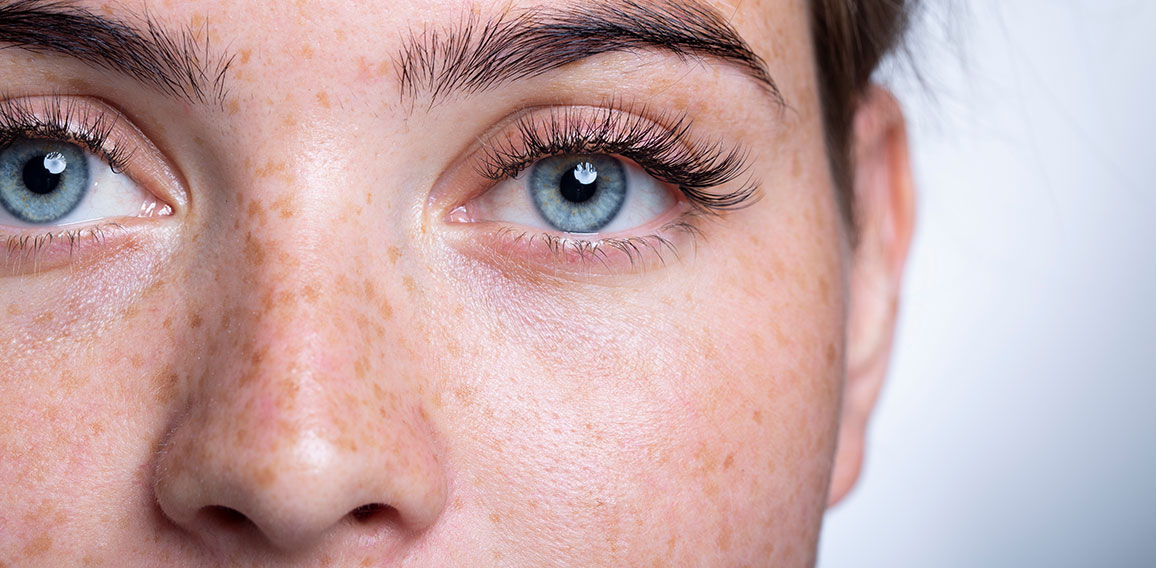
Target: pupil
point(574, 190)
point(37, 178)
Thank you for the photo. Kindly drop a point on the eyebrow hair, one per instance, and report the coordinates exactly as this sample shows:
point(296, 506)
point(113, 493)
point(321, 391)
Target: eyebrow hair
point(476, 56)
point(177, 64)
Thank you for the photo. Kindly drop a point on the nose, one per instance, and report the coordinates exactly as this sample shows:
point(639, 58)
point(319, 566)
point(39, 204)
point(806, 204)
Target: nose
point(301, 424)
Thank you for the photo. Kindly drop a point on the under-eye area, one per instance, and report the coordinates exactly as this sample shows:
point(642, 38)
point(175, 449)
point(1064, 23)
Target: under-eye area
point(615, 187)
point(67, 178)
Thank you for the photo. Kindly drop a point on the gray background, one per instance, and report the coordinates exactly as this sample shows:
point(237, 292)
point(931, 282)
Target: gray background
point(1017, 426)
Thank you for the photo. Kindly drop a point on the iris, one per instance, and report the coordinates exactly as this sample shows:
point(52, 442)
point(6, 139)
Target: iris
point(41, 181)
point(578, 193)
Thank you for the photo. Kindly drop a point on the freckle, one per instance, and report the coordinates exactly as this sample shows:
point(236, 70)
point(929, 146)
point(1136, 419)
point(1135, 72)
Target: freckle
point(453, 349)
point(255, 210)
point(195, 322)
point(13, 310)
point(137, 361)
point(38, 546)
point(410, 285)
point(265, 476)
point(253, 250)
point(394, 255)
point(724, 538)
point(165, 387)
point(757, 416)
point(245, 55)
point(168, 323)
point(781, 338)
point(309, 292)
point(43, 318)
point(730, 461)
point(257, 356)
point(824, 286)
point(830, 353)
point(323, 99)
point(382, 68)
point(796, 166)
point(496, 518)
point(465, 395)
point(269, 168)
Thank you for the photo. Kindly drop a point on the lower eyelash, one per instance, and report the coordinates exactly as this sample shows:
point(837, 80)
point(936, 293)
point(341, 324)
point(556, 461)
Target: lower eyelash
point(637, 249)
point(19, 249)
point(667, 153)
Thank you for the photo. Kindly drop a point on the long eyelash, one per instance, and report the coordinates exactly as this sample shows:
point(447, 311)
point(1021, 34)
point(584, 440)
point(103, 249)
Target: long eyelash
point(66, 120)
point(666, 153)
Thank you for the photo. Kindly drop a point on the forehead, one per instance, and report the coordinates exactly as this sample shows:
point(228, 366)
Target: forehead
point(367, 43)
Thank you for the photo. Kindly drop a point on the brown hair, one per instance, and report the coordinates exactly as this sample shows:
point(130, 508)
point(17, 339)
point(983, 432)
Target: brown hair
point(851, 37)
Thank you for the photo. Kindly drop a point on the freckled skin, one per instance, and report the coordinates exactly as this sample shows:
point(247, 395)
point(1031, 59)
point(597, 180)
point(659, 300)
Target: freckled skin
point(295, 370)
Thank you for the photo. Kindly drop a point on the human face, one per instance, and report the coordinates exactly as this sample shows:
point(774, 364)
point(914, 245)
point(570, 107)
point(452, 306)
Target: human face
point(314, 321)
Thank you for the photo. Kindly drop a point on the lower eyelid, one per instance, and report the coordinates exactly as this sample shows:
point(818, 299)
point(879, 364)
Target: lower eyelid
point(39, 252)
point(532, 252)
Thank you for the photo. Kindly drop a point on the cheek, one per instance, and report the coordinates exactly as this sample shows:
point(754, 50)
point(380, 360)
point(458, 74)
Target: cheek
point(80, 351)
point(696, 413)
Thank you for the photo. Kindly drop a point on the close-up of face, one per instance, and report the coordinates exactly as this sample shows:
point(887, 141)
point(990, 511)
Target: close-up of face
point(437, 283)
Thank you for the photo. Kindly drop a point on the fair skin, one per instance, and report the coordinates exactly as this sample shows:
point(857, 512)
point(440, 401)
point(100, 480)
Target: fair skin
point(330, 349)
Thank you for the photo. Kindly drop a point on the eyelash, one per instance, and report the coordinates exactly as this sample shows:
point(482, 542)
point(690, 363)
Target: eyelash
point(669, 154)
point(65, 120)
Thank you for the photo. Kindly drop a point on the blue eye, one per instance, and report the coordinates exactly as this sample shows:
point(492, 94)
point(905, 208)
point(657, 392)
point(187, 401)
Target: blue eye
point(42, 181)
point(578, 193)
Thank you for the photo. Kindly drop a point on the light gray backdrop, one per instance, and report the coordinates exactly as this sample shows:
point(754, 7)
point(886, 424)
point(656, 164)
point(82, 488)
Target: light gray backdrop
point(1018, 425)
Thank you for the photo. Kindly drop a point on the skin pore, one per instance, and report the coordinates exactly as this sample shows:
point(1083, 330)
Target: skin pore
point(325, 345)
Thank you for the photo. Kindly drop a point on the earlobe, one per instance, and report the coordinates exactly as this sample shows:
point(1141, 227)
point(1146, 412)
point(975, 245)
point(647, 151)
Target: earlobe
point(884, 203)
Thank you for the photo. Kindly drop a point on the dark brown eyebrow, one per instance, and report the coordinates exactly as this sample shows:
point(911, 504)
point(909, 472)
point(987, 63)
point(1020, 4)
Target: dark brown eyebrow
point(477, 56)
point(177, 64)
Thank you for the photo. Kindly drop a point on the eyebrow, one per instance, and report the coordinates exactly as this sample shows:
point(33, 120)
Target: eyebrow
point(177, 64)
point(477, 56)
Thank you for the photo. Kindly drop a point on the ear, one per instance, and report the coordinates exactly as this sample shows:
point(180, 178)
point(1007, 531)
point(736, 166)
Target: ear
point(884, 206)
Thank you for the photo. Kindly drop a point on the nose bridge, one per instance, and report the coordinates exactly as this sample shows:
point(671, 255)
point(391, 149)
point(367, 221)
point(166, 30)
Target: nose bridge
point(300, 412)
point(301, 285)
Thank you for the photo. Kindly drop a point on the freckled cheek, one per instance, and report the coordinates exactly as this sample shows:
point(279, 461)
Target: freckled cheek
point(84, 357)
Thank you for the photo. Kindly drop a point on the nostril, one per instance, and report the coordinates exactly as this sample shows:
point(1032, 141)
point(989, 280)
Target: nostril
point(373, 512)
point(227, 517)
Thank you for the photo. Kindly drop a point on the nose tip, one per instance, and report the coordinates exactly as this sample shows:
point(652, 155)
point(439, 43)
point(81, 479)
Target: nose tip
point(292, 495)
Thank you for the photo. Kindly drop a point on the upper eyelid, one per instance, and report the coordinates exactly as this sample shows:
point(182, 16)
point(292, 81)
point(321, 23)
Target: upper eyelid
point(662, 143)
point(65, 118)
point(100, 128)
